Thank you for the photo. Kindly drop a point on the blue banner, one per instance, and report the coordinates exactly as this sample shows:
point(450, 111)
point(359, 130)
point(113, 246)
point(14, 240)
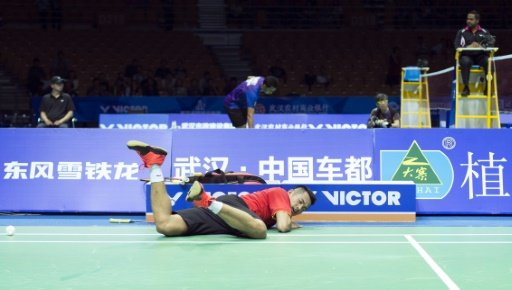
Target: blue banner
point(456, 171)
point(284, 156)
point(135, 121)
point(221, 121)
point(336, 200)
point(88, 109)
point(73, 170)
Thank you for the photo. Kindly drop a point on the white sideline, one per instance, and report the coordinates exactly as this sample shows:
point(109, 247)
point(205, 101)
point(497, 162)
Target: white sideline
point(242, 241)
point(283, 235)
point(171, 241)
point(446, 279)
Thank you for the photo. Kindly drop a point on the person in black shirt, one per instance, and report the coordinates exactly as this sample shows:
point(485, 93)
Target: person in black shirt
point(56, 107)
point(383, 116)
point(472, 36)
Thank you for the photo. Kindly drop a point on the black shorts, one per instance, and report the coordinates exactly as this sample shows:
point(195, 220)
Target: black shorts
point(238, 117)
point(201, 221)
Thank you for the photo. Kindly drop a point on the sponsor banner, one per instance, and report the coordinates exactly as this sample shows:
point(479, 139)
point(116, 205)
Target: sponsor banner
point(73, 170)
point(221, 121)
point(283, 156)
point(134, 121)
point(456, 171)
point(341, 201)
point(88, 109)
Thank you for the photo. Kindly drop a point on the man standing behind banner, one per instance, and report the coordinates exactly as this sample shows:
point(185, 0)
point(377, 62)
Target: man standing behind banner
point(239, 103)
point(472, 36)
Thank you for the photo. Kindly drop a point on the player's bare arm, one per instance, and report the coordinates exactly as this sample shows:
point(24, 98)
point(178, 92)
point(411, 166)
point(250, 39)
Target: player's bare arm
point(283, 222)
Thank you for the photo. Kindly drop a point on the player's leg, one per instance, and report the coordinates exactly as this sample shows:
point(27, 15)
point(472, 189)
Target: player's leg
point(166, 223)
point(153, 157)
point(234, 217)
point(242, 221)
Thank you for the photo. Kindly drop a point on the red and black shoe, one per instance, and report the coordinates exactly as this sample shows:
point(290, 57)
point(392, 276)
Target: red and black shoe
point(150, 155)
point(198, 196)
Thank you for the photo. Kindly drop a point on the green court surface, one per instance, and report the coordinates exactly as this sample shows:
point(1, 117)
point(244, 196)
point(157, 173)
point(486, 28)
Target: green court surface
point(314, 257)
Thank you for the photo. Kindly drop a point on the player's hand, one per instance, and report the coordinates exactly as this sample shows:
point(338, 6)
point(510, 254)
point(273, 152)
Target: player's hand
point(475, 45)
point(48, 123)
point(296, 225)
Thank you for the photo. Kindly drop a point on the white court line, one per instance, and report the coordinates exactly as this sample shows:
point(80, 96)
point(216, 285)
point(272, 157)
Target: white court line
point(247, 241)
point(467, 242)
point(390, 235)
point(85, 234)
point(279, 235)
point(446, 279)
point(170, 241)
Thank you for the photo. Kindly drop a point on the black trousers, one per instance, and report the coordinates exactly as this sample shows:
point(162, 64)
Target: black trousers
point(238, 117)
point(466, 61)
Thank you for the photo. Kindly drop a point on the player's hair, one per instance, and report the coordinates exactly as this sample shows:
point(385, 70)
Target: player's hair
point(311, 195)
point(381, 97)
point(271, 81)
point(474, 12)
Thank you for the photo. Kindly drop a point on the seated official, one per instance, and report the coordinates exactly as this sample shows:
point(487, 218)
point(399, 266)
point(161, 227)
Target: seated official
point(472, 36)
point(383, 116)
point(56, 107)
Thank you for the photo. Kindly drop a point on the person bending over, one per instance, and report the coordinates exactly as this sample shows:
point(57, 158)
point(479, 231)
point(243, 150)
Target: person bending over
point(240, 102)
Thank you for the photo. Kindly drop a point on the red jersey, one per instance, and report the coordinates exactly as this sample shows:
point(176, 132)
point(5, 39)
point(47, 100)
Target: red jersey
point(267, 203)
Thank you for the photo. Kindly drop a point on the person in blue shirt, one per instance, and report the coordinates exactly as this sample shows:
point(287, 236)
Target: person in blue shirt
point(239, 103)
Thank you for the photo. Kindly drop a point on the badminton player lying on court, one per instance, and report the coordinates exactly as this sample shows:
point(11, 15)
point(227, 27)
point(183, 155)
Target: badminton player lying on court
point(247, 216)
